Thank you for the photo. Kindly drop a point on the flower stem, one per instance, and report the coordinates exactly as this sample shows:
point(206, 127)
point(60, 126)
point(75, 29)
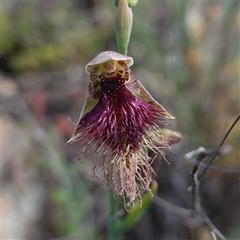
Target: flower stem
point(112, 217)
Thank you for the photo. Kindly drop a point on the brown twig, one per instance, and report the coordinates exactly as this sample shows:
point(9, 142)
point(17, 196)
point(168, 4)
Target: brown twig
point(172, 207)
point(202, 153)
point(197, 208)
point(221, 144)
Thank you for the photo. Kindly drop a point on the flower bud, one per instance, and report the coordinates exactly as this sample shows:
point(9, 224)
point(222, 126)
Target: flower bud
point(131, 3)
point(123, 25)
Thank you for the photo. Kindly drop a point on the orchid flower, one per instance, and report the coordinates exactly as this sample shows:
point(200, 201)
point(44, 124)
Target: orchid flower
point(119, 122)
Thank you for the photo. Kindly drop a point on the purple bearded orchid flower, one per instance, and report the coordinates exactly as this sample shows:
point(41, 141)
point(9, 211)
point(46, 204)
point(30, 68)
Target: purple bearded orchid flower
point(119, 121)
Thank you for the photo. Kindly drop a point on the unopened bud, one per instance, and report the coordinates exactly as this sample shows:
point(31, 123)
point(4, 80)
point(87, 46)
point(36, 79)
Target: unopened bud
point(123, 25)
point(131, 3)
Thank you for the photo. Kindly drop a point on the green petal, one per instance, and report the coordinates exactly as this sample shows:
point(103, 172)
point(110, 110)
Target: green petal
point(137, 89)
point(94, 87)
point(89, 104)
point(133, 85)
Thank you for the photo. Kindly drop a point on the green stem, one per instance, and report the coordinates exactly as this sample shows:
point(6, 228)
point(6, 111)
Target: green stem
point(112, 217)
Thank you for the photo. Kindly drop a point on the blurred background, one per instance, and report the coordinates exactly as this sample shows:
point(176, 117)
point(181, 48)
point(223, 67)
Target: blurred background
point(186, 54)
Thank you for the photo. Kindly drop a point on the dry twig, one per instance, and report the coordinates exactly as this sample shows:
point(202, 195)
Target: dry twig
point(197, 211)
point(202, 154)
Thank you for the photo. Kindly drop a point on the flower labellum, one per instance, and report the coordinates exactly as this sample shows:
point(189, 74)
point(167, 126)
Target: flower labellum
point(119, 121)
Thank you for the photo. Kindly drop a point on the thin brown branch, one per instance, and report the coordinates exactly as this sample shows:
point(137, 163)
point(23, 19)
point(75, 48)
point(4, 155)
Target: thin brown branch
point(221, 144)
point(203, 153)
point(172, 207)
point(197, 208)
point(197, 211)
